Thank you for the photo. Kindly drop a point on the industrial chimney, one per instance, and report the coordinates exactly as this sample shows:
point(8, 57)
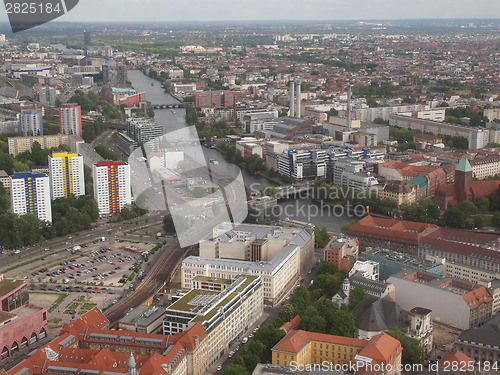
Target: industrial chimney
point(298, 99)
point(292, 99)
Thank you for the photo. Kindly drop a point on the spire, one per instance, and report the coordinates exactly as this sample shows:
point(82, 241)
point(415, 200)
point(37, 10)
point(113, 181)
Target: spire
point(131, 365)
point(464, 165)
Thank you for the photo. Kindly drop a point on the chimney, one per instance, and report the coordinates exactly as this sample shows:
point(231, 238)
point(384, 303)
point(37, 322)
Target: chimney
point(349, 107)
point(292, 99)
point(298, 99)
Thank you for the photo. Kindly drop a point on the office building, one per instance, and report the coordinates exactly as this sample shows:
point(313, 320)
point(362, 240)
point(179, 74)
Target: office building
point(70, 120)
point(30, 194)
point(453, 301)
point(303, 163)
point(225, 308)
point(143, 130)
point(476, 136)
point(485, 166)
point(111, 186)
point(277, 254)
point(31, 123)
point(66, 175)
point(22, 324)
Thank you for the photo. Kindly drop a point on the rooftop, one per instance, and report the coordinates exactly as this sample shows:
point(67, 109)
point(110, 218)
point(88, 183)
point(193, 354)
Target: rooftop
point(295, 341)
point(391, 229)
point(463, 166)
point(206, 303)
point(212, 279)
point(7, 286)
point(487, 335)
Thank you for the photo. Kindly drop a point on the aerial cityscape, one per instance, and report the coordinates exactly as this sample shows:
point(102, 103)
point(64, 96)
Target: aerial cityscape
point(249, 192)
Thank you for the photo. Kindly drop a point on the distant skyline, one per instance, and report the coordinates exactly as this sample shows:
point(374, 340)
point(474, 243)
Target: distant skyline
point(247, 10)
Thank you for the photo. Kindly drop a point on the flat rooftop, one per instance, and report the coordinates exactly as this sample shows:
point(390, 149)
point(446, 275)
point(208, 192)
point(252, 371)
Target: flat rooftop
point(7, 286)
point(25, 311)
point(207, 302)
point(213, 280)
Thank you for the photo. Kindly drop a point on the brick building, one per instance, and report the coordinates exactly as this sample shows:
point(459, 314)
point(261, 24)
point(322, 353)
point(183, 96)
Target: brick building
point(21, 323)
point(88, 346)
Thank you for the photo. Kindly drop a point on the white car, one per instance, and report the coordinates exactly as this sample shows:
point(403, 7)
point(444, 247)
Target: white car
point(245, 340)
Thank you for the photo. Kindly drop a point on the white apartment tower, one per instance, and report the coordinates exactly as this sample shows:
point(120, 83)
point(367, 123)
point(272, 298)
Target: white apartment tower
point(111, 186)
point(70, 120)
point(30, 194)
point(66, 175)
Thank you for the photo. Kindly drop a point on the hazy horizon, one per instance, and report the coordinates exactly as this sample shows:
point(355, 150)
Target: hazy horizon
point(272, 10)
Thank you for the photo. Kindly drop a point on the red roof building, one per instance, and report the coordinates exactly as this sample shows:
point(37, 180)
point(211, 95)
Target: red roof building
point(88, 346)
point(397, 235)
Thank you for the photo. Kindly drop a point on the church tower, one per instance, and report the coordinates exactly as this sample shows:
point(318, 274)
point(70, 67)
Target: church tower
point(346, 287)
point(463, 180)
point(131, 365)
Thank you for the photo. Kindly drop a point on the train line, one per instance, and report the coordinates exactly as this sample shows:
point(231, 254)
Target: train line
point(160, 274)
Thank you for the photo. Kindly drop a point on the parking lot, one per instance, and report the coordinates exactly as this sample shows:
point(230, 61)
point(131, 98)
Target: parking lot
point(98, 267)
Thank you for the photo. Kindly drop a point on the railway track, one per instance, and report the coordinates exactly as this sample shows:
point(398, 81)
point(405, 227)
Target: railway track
point(160, 274)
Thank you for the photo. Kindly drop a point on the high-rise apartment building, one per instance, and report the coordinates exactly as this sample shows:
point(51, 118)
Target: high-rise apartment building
point(30, 194)
point(70, 120)
point(111, 186)
point(31, 122)
point(47, 95)
point(66, 175)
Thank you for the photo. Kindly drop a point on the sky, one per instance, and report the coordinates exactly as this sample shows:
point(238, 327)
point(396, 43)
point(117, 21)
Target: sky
point(217, 10)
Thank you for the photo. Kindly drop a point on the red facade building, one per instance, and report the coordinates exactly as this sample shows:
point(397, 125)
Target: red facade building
point(133, 100)
point(219, 99)
point(21, 323)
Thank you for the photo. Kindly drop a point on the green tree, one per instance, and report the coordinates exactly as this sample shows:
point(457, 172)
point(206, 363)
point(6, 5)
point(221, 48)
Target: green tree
point(168, 224)
point(321, 237)
point(235, 369)
point(199, 192)
point(332, 112)
point(344, 228)
point(343, 324)
point(413, 352)
point(479, 221)
point(287, 313)
point(467, 207)
point(495, 220)
point(493, 202)
point(356, 295)
point(454, 217)
point(483, 204)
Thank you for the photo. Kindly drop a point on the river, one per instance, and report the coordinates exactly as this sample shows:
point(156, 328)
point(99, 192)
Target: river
point(302, 209)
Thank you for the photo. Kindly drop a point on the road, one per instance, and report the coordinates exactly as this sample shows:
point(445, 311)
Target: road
point(79, 238)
